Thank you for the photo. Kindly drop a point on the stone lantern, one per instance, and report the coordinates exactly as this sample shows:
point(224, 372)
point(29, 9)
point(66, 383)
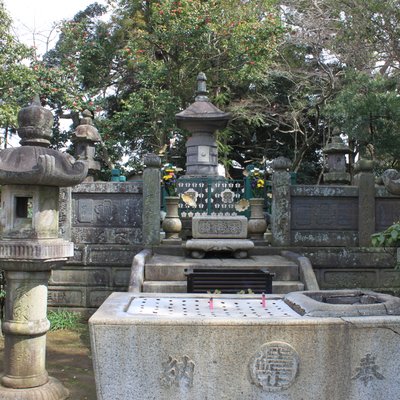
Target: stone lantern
point(336, 152)
point(84, 138)
point(30, 248)
point(202, 119)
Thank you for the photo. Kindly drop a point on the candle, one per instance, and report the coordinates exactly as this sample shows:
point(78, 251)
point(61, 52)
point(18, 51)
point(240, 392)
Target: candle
point(263, 301)
point(211, 304)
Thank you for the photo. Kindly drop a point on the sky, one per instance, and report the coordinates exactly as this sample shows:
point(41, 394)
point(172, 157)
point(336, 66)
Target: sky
point(33, 20)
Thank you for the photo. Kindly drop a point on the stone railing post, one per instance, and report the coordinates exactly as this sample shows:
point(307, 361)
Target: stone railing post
point(280, 218)
point(365, 180)
point(151, 200)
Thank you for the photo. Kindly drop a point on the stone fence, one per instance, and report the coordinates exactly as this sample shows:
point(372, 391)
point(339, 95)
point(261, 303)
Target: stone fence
point(109, 223)
point(330, 216)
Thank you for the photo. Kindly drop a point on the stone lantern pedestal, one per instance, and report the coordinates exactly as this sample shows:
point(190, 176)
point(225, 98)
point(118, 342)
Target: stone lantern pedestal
point(30, 248)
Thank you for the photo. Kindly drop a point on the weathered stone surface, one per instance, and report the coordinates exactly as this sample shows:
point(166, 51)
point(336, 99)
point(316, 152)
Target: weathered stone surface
point(324, 214)
point(387, 211)
point(39, 250)
point(365, 180)
point(343, 303)
point(107, 213)
point(281, 208)
point(52, 390)
point(391, 180)
point(199, 246)
point(182, 355)
point(210, 226)
point(151, 200)
point(67, 296)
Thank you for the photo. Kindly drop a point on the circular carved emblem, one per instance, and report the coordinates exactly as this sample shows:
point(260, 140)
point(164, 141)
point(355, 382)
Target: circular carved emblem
point(274, 367)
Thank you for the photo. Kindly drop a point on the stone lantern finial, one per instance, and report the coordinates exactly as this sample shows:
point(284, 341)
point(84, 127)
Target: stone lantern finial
point(35, 124)
point(201, 93)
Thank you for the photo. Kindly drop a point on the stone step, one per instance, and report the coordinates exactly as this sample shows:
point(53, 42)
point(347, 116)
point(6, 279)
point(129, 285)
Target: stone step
point(278, 287)
point(172, 268)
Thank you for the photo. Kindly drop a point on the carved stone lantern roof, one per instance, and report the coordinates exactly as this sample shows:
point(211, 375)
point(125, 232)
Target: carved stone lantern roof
point(336, 146)
point(34, 163)
point(202, 113)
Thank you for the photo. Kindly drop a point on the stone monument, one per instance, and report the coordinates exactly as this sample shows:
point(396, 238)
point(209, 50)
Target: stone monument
point(84, 138)
point(30, 248)
point(202, 119)
point(336, 152)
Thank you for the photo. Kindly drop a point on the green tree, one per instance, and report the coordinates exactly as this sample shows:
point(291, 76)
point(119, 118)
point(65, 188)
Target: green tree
point(140, 67)
point(17, 80)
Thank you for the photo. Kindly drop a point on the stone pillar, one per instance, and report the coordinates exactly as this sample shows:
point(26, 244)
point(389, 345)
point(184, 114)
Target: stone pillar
point(25, 328)
point(365, 180)
point(280, 212)
point(151, 200)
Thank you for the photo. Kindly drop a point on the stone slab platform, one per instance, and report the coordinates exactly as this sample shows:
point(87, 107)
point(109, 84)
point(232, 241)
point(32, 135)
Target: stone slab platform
point(168, 267)
point(151, 346)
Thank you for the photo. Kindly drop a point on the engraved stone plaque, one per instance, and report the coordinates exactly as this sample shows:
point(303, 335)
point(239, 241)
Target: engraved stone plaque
point(209, 226)
point(203, 154)
point(274, 367)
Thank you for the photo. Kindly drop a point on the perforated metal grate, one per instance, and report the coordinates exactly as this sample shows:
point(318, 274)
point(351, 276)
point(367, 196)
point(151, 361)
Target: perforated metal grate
point(200, 308)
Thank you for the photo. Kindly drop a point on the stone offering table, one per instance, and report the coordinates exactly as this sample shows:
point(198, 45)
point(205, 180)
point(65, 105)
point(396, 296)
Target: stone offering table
point(219, 233)
point(155, 346)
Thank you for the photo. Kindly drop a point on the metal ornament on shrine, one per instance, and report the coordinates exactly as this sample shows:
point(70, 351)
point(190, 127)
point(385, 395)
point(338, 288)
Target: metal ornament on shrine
point(202, 119)
point(30, 247)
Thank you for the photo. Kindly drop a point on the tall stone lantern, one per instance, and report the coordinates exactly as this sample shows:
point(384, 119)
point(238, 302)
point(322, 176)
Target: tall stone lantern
point(202, 119)
point(336, 152)
point(84, 138)
point(30, 176)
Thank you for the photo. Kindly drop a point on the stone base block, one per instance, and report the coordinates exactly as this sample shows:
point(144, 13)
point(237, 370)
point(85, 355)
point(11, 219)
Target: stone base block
point(235, 347)
point(239, 247)
point(220, 227)
point(52, 390)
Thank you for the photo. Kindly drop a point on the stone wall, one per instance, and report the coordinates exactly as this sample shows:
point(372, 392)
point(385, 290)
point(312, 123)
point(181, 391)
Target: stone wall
point(331, 216)
point(104, 220)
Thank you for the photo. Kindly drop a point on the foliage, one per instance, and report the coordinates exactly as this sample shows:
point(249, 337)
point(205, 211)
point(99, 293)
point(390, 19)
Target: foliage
point(367, 109)
point(64, 320)
point(139, 68)
point(169, 179)
point(17, 80)
point(388, 238)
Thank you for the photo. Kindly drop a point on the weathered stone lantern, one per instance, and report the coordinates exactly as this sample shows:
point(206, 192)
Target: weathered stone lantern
point(202, 119)
point(336, 152)
point(30, 176)
point(84, 138)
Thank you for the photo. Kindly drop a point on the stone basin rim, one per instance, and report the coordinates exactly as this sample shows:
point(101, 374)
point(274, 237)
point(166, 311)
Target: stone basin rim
point(316, 304)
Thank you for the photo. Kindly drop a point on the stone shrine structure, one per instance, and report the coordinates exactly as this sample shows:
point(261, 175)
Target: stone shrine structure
point(30, 248)
point(202, 119)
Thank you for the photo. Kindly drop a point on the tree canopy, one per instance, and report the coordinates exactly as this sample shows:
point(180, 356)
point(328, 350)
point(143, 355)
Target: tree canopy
point(289, 71)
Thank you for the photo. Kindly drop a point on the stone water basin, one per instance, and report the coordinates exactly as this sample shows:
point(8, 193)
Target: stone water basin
point(167, 346)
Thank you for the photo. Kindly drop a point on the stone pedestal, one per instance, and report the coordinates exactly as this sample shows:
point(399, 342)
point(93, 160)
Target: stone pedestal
point(257, 224)
point(24, 327)
point(172, 225)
